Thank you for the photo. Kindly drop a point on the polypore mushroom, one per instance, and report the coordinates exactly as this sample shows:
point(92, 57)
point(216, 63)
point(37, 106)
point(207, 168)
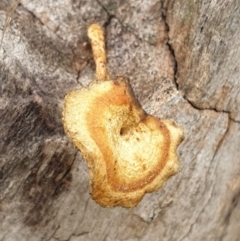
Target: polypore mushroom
point(129, 152)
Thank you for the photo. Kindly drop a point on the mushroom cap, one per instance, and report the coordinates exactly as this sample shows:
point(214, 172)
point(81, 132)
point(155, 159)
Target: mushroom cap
point(129, 152)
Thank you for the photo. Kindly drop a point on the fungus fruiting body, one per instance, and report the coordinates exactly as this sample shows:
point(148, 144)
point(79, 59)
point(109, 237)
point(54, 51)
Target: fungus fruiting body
point(129, 152)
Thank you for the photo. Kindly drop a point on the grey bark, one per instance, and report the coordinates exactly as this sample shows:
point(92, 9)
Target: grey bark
point(182, 58)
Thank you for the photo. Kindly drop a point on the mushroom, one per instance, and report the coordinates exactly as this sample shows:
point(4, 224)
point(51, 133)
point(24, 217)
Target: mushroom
point(129, 153)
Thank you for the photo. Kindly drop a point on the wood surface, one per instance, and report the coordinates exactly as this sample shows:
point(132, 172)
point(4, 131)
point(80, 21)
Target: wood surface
point(183, 62)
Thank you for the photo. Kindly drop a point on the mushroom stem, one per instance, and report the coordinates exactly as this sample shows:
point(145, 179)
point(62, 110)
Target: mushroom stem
point(96, 36)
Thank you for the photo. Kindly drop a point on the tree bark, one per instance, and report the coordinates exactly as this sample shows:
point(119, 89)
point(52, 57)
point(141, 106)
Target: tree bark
point(182, 58)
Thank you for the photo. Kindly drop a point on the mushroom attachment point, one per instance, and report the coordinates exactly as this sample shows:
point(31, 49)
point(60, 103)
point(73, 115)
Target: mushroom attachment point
point(129, 153)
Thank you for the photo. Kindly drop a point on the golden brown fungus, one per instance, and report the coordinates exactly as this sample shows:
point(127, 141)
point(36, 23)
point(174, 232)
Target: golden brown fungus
point(129, 152)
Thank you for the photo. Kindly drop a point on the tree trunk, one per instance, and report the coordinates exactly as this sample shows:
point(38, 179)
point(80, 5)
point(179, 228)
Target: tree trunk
point(182, 58)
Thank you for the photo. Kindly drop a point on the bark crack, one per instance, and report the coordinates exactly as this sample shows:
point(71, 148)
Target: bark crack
point(234, 206)
point(126, 28)
point(223, 137)
point(54, 232)
point(211, 109)
point(218, 147)
point(171, 49)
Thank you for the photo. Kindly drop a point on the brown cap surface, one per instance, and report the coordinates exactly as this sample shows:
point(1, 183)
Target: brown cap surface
point(128, 152)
